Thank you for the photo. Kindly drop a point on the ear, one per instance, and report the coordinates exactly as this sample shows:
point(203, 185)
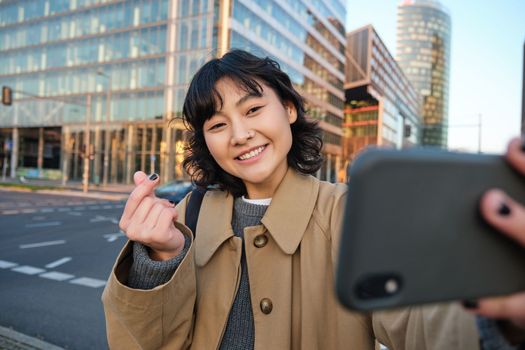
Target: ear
point(291, 111)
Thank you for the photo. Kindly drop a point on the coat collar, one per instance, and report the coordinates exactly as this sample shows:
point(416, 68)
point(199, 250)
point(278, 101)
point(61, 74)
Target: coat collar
point(291, 209)
point(286, 218)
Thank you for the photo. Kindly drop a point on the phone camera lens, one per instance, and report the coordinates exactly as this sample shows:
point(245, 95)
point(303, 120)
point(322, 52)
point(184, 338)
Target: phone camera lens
point(391, 286)
point(375, 286)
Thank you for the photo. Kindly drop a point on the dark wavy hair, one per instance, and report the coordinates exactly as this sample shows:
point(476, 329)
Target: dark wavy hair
point(203, 100)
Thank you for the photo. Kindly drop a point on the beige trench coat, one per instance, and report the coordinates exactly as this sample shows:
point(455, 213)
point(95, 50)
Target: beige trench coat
point(292, 267)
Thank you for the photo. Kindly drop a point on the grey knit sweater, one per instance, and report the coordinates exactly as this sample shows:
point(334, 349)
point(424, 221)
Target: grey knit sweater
point(147, 274)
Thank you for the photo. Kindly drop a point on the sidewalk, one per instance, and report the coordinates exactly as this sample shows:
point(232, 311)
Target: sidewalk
point(116, 192)
point(12, 340)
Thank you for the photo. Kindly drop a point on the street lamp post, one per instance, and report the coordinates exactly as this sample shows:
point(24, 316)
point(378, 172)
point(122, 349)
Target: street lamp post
point(107, 132)
point(478, 125)
point(479, 133)
point(85, 177)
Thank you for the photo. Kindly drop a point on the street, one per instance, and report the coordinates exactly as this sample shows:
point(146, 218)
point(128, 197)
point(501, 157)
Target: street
point(56, 253)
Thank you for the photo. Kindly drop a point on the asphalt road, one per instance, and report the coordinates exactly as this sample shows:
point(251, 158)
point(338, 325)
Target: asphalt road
point(55, 255)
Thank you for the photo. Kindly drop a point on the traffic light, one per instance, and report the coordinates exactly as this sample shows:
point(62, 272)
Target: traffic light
point(7, 96)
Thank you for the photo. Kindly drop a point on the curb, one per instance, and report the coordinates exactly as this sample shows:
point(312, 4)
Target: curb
point(13, 340)
point(98, 195)
point(93, 194)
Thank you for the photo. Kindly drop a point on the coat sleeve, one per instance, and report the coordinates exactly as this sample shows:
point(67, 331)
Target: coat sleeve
point(357, 326)
point(159, 318)
point(431, 327)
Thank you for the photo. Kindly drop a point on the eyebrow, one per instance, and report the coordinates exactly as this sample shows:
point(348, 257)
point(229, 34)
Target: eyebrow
point(243, 99)
point(247, 97)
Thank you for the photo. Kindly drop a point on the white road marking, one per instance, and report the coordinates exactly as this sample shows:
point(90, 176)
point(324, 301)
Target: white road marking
point(41, 244)
point(28, 270)
point(79, 208)
point(58, 262)
point(8, 212)
point(112, 237)
point(94, 207)
point(64, 209)
point(74, 213)
point(6, 264)
point(47, 210)
point(44, 224)
point(53, 275)
point(57, 276)
point(107, 207)
point(28, 211)
point(88, 282)
point(119, 206)
point(99, 218)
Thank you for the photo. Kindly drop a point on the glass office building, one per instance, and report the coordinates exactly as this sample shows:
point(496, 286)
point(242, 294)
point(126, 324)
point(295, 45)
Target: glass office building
point(523, 95)
point(423, 52)
point(103, 81)
point(382, 107)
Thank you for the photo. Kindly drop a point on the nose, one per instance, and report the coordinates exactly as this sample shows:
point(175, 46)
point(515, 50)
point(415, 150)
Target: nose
point(240, 134)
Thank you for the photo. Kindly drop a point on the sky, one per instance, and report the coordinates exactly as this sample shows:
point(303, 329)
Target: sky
point(486, 70)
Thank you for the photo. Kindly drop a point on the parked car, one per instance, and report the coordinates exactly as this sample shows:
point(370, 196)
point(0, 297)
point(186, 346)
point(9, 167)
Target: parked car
point(174, 191)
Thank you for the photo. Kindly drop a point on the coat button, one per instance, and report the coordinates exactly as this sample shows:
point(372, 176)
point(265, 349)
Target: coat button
point(260, 241)
point(266, 306)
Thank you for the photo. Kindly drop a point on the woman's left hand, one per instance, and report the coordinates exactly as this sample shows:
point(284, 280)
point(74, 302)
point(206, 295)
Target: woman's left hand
point(508, 216)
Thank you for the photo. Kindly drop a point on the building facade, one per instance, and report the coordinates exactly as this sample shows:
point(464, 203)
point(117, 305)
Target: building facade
point(99, 84)
point(423, 52)
point(523, 95)
point(382, 107)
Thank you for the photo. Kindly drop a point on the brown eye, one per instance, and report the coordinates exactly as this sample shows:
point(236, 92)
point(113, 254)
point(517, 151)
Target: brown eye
point(253, 110)
point(216, 126)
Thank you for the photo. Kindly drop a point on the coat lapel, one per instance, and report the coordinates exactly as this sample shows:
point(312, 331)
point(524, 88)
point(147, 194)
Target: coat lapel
point(291, 209)
point(213, 225)
point(286, 218)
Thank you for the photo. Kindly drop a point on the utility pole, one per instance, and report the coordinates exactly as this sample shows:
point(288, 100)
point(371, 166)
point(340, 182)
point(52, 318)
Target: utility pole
point(479, 133)
point(477, 125)
point(85, 177)
point(107, 138)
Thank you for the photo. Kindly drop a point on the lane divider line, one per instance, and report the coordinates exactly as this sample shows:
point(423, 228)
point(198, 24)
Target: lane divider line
point(41, 244)
point(44, 224)
point(58, 262)
point(53, 275)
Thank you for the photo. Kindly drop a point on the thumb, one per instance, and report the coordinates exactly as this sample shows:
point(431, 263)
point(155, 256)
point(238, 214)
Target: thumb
point(139, 177)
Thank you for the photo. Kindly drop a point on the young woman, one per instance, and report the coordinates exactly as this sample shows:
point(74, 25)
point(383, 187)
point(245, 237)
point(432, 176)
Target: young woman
point(258, 273)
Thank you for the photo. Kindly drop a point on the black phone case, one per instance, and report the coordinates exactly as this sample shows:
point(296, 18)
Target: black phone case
point(413, 233)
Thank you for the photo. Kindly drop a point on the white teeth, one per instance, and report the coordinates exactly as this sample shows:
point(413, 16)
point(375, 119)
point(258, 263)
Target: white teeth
point(252, 153)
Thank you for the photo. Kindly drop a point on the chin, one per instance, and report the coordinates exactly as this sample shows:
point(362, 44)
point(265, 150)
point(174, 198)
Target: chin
point(256, 177)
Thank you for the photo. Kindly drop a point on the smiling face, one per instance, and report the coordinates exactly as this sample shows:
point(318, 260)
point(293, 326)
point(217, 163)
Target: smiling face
point(250, 136)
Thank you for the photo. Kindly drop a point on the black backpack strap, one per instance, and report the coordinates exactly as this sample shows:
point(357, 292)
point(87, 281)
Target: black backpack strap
point(193, 209)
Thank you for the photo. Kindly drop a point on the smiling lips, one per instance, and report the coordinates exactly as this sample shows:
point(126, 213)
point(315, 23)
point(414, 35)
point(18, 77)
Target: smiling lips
point(252, 153)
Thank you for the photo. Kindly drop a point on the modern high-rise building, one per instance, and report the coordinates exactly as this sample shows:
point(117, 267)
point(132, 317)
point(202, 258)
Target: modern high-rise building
point(523, 96)
point(96, 82)
point(423, 52)
point(382, 107)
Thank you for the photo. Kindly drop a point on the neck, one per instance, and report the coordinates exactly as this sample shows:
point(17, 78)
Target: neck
point(265, 189)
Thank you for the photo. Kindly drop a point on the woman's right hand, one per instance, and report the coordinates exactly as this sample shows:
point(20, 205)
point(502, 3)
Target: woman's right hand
point(150, 220)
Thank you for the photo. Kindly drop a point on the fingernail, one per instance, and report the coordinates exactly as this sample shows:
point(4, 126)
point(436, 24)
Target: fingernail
point(470, 304)
point(153, 177)
point(504, 210)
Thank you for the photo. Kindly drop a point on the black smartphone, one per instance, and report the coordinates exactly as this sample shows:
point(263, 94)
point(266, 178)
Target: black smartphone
point(413, 234)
